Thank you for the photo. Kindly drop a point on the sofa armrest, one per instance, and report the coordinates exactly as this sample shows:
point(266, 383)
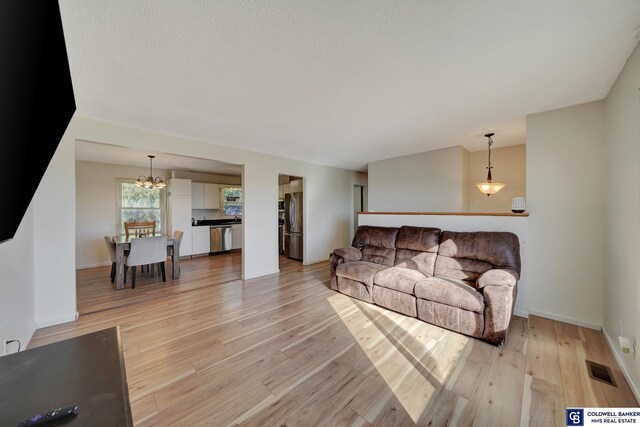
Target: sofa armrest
point(340, 256)
point(499, 302)
point(497, 277)
point(348, 254)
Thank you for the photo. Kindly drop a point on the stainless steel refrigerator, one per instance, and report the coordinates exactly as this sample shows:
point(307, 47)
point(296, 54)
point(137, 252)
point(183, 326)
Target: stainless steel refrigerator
point(293, 225)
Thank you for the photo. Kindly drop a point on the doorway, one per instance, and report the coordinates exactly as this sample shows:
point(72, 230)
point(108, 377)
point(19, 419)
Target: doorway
point(359, 203)
point(290, 220)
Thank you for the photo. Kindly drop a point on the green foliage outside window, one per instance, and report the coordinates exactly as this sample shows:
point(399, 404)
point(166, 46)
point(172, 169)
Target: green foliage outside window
point(231, 201)
point(140, 204)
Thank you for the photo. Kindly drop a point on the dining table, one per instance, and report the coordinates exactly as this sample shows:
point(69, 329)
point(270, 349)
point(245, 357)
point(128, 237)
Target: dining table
point(123, 243)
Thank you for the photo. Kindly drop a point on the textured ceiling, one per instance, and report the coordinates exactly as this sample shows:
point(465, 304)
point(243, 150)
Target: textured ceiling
point(342, 82)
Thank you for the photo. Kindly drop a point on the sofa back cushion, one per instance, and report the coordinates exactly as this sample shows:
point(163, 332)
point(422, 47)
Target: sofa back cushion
point(416, 248)
point(378, 244)
point(467, 255)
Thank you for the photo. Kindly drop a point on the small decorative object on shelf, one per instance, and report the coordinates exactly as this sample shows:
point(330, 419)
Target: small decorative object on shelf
point(517, 205)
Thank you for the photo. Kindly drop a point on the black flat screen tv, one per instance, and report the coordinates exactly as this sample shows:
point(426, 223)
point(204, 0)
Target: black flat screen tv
point(36, 101)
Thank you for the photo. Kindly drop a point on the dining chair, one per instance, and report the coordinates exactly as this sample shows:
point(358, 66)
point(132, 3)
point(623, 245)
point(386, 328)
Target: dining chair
point(177, 240)
point(147, 251)
point(140, 228)
point(111, 249)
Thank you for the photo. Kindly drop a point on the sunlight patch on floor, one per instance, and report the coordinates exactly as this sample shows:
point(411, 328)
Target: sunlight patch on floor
point(413, 358)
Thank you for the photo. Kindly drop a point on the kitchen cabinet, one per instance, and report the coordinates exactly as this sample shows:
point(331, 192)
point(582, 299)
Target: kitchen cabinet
point(211, 196)
point(197, 195)
point(295, 186)
point(200, 240)
point(179, 212)
point(179, 218)
point(236, 236)
point(179, 187)
point(205, 195)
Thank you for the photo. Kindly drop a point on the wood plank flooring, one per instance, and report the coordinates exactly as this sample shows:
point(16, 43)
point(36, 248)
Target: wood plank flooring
point(286, 350)
point(96, 293)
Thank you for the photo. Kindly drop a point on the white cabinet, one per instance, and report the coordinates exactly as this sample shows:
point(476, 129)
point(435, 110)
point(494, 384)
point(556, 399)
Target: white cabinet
point(205, 196)
point(179, 218)
point(296, 186)
point(179, 187)
point(236, 236)
point(197, 195)
point(200, 240)
point(211, 196)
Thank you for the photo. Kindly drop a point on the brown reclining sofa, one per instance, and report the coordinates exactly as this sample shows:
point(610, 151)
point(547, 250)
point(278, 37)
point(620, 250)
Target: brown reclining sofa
point(465, 282)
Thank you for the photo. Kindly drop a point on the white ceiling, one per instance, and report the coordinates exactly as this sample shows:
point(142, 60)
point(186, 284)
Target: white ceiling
point(104, 153)
point(342, 82)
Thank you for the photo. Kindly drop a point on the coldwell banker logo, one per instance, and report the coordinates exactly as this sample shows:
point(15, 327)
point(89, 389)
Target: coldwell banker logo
point(575, 417)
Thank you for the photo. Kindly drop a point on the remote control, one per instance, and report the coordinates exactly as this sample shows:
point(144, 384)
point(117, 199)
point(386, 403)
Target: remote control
point(56, 414)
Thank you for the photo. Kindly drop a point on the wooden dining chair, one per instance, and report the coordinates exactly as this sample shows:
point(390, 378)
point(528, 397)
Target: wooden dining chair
point(147, 251)
point(111, 249)
point(140, 228)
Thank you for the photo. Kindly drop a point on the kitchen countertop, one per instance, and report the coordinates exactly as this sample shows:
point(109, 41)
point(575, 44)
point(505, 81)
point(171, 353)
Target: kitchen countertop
point(208, 222)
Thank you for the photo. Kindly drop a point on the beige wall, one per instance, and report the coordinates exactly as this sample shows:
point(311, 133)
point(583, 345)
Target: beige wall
point(622, 210)
point(96, 214)
point(509, 166)
point(434, 181)
point(565, 193)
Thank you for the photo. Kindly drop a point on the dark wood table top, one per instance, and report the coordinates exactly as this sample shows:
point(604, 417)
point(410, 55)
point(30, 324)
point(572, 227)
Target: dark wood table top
point(87, 371)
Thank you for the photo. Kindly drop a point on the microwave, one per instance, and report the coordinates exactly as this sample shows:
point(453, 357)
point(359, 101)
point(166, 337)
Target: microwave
point(281, 205)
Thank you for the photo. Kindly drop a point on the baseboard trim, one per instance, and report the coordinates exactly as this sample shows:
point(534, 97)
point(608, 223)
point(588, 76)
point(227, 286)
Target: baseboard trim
point(625, 371)
point(65, 319)
point(102, 264)
point(256, 275)
point(521, 313)
point(565, 319)
point(25, 345)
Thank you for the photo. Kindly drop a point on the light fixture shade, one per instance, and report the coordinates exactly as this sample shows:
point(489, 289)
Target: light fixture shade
point(490, 188)
point(160, 183)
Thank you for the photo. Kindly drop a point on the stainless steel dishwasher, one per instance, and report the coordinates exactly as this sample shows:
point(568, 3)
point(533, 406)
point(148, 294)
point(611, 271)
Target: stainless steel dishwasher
point(220, 238)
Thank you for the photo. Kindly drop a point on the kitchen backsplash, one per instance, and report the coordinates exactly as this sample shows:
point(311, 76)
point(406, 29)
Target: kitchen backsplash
point(206, 213)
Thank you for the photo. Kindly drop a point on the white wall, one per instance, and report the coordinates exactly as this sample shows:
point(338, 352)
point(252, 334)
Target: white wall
point(509, 167)
point(38, 284)
point(565, 193)
point(55, 219)
point(17, 284)
point(516, 225)
point(434, 181)
point(622, 207)
point(96, 214)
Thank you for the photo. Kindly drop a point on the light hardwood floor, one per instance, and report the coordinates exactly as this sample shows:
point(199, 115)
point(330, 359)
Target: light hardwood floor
point(285, 350)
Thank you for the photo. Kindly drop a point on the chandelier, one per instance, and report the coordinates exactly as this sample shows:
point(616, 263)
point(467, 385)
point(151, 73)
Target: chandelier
point(150, 181)
point(489, 187)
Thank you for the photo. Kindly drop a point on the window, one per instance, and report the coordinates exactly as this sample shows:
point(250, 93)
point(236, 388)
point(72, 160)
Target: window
point(231, 200)
point(139, 204)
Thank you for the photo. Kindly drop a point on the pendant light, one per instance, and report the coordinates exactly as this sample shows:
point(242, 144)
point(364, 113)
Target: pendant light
point(489, 187)
point(150, 181)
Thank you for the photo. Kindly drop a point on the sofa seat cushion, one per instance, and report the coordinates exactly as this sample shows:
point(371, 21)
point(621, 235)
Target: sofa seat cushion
point(360, 271)
point(451, 292)
point(399, 279)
